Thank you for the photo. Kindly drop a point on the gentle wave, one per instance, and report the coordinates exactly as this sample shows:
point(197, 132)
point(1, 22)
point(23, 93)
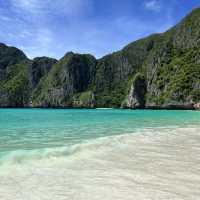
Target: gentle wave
point(20, 156)
point(90, 146)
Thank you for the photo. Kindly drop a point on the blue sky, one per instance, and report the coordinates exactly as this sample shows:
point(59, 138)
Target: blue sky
point(53, 27)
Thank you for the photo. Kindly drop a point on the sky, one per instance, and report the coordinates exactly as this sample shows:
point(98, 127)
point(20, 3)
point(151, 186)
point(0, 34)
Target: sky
point(53, 27)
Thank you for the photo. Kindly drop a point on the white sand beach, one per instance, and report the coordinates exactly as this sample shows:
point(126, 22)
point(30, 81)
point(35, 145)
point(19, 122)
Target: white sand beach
point(158, 164)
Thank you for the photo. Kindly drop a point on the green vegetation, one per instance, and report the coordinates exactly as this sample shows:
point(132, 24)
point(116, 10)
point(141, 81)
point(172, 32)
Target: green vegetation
point(16, 86)
point(179, 79)
point(84, 96)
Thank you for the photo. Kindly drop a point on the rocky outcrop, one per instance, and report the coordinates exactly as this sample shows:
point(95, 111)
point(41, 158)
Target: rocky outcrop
point(14, 84)
point(186, 33)
point(40, 67)
point(197, 106)
point(73, 74)
point(9, 56)
point(115, 70)
point(137, 94)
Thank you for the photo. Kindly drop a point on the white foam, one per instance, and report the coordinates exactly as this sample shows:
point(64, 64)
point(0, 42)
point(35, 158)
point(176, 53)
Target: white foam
point(153, 164)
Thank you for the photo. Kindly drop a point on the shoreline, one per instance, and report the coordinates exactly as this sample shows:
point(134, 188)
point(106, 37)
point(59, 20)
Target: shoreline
point(105, 108)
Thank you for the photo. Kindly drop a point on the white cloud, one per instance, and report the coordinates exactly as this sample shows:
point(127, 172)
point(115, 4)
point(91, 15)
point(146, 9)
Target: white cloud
point(4, 18)
point(44, 38)
point(28, 5)
point(43, 7)
point(153, 5)
point(41, 43)
point(36, 23)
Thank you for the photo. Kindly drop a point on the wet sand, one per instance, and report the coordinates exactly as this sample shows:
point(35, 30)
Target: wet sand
point(158, 164)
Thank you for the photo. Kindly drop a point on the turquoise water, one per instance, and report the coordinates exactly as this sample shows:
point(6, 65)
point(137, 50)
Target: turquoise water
point(99, 154)
point(30, 129)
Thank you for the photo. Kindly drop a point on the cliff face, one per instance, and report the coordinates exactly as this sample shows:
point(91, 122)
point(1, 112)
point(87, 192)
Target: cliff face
point(137, 94)
point(72, 75)
point(19, 76)
point(160, 71)
point(170, 64)
point(13, 77)
point(9, 56)
point(39, 68)
point(173, 70)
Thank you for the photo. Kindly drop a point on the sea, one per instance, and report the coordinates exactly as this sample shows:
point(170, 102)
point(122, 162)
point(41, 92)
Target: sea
point(99, 154)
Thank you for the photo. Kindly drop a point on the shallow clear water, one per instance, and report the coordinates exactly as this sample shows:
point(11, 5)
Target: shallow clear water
point(99, 154)
point(28, 129)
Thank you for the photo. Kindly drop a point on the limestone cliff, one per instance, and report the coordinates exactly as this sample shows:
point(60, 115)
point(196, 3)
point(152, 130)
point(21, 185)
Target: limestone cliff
point(159, 71)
